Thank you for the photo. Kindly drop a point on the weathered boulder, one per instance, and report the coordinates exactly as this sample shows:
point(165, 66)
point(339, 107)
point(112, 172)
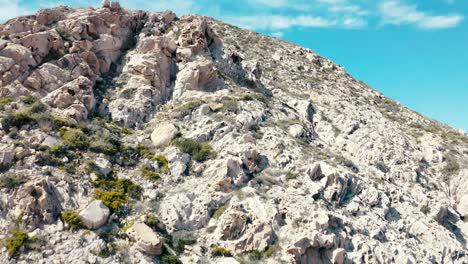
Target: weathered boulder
point(20, 54)
point(199, 75)
point(94, 215)
point(36, 203)
point(163, 134)
point(232, 224)
point(6, 158)
point(49, 16)
point(146, 240)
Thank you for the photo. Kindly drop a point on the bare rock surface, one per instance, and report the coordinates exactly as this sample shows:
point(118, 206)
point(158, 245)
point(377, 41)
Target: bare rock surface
point(94, 215)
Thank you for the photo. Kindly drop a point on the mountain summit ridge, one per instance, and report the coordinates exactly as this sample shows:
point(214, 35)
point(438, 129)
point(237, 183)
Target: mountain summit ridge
point(134, 136)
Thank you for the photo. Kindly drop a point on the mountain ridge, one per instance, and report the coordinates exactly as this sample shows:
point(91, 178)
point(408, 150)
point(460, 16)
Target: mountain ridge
point(142, 136)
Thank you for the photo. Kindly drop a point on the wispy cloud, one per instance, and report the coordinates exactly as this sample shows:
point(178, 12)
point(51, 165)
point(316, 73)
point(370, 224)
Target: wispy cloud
point(276, 22)
point(10, 9)
point(398, 13)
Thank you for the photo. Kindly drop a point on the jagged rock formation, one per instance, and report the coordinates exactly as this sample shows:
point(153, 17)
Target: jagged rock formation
point(189, 138)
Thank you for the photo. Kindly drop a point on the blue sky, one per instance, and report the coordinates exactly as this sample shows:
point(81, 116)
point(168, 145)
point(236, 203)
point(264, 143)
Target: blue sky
point(414, 51)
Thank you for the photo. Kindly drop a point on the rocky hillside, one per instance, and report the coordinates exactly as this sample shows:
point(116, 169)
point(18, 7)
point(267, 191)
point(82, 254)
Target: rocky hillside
point(138, 137)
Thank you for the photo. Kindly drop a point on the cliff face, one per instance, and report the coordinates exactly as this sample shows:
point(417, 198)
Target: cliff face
point(187, 139)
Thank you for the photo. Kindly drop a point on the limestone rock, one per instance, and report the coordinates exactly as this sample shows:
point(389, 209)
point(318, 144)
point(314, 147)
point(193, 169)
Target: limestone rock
point(146, 239)
point(37, 203)
point(163, 134)
point(94, 215)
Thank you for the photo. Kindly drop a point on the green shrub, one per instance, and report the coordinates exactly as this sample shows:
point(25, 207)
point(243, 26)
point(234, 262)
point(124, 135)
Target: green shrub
point(150, 174)
point(71, 219)
point(198, 151)
point(54, 156)
point(114, 200)
point(75, 138)
point(187, 108)
point(152, 220)
point(255, 255)
point(127, 131)
point(170, 260)
point(270, 251)
point(182, 238)
point(230, 105)
point(221, 252)
point(10, 181)
point(220, 211)
point(162, 163)
point(16, 241)
point(17, 119)
point(5, 101)
point(124, 186)
point(29, 99)
point(115, 192)
point(37, 107)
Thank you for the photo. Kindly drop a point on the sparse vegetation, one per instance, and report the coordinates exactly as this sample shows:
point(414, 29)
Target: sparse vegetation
point(17, 119)
point(189, 107)
point(182, 238)
point(198, 151)
point(114, 200)
point(170, 260)
point(16, 241)
point(115, 192)
point(71, 219)
point(4, 101)
point(150, 174)
point(219, 212)
point(29, 99)
point(10, 180)
point(75, 138)
point(221, 252)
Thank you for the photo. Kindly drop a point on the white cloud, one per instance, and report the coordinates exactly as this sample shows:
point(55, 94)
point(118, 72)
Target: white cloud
point(276, 22)
point(10, 9)
point(397, 13)
point(277, 34)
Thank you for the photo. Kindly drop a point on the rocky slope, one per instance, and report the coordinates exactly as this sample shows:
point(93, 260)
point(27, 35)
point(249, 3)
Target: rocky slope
point(138, 137)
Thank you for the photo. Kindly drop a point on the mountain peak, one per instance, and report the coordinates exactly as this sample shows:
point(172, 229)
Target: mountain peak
point(134, 136)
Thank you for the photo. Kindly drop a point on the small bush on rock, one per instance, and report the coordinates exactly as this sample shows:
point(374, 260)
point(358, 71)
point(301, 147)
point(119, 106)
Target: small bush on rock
point(199, 151)
point(11, 181)
point(16, 241)
point(71, 219)
point(75, 138)
point(29, 99)
point(221, 252)
point(17, 119)
point(113, 200)
point(170, 260)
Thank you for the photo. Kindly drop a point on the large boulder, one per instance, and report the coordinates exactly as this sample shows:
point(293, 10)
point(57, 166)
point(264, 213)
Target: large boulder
point(199, 75)
point(20, 54)
point(94, 215)
point(233, 223)
point(163, 134)
point(147, 241)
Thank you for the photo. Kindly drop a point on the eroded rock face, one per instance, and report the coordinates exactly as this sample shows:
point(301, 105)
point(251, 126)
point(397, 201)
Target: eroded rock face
point(36, 203)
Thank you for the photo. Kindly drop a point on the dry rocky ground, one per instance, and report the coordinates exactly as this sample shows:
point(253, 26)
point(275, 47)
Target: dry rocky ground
point(137, 137)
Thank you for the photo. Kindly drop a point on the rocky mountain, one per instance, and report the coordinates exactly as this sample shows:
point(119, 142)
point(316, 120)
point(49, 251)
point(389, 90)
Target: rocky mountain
point(140, 137)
